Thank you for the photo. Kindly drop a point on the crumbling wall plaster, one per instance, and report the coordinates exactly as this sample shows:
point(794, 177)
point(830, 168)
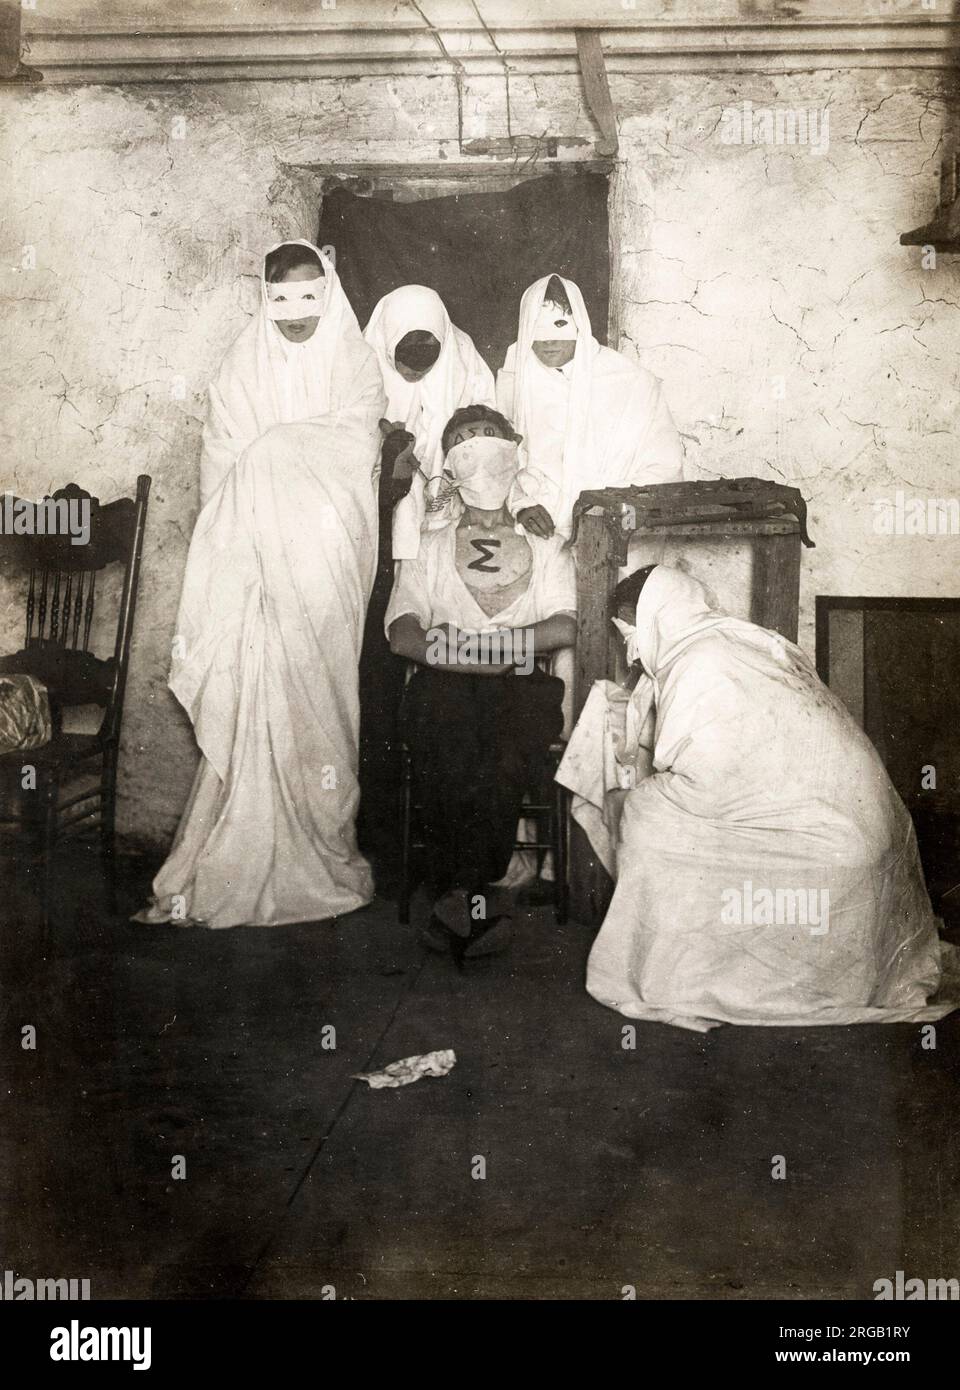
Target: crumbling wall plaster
point(764, 284)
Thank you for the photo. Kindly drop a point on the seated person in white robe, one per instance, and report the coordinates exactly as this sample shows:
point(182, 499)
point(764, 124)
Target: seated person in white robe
point(590, 418)
point(766, 870)
point(474, 610)
point(271, 615)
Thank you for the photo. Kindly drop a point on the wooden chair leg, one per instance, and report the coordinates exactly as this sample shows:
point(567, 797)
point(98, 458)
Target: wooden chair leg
point(108, 822)
point(406, 809)
point(560, 853)
point(51, 796)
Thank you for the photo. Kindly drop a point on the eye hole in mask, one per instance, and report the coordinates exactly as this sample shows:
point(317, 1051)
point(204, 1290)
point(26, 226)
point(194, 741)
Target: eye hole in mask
point(553, 322)
point(296, 299)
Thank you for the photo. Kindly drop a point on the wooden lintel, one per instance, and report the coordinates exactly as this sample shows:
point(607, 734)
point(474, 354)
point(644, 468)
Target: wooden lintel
point(442, 169)
point(522, 146)
point(594, 70)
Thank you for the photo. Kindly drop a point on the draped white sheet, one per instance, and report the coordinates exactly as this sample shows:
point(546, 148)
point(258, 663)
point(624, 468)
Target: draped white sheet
point(760, 780)
point(271, 617)
point(459, 377)
point(602, 421)
point(266, 380)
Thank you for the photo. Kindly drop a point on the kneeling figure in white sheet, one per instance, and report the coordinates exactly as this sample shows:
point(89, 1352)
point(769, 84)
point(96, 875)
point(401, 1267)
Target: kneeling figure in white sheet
point(766, 869)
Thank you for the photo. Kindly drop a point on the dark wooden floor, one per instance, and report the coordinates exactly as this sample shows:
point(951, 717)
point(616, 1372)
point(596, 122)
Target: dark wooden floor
point(605, 1167)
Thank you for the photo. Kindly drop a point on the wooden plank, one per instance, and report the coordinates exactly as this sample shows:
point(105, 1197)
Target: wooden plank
point(522, 146)
point(461, 15)
point(596, 580)
point(593, 68)
point(590, 885)
point(445, 170)
point(775, 597)
point(723, 501)
point(67, 54)
point(722, 530)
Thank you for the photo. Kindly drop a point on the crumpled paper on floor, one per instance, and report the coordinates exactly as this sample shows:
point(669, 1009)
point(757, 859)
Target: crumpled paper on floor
point(410, 1069)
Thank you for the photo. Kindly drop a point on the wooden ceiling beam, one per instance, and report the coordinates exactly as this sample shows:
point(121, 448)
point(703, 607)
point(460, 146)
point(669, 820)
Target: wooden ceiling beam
point(594, 71)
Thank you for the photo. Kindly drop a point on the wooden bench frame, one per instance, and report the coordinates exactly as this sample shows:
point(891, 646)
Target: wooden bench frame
point(771, 517)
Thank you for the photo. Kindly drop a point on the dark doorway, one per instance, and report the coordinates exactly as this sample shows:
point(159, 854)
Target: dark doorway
point(893, 663)
point(478, 250)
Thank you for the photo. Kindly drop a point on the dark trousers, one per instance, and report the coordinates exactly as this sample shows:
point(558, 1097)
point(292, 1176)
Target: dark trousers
point(478, 744)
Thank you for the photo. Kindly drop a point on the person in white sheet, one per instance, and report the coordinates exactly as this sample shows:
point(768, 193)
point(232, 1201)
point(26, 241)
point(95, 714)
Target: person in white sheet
point(271, 615)
point(590, 418)
point(430, 369)
point(474, 610)
point(766, 870)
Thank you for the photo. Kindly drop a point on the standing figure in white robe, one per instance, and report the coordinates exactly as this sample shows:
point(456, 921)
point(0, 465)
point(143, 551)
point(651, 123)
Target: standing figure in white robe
point(268, 634)
point(766, 870)
point(430, 369)
point(590, 418)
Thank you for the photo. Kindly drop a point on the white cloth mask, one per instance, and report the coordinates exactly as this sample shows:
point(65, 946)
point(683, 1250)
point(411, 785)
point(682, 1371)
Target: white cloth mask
point(483, 469)
point(300, 299)
point(553, 324)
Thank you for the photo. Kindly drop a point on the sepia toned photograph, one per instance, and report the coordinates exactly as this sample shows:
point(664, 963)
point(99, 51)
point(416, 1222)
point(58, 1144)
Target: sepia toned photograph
point(480, 663)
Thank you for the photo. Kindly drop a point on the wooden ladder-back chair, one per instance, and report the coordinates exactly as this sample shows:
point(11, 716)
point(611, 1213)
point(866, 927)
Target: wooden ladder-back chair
point(61, 598)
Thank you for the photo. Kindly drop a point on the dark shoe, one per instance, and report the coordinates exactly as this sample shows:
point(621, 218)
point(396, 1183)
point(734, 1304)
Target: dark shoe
point(436, 937)
point(452, 911)
point(490, 938)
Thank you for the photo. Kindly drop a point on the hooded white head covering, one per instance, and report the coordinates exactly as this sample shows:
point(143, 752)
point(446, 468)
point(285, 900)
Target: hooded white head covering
point(673, 610)
point(459, 377)
point(265, 380)
point(601, 421)
point(544, 394)
point(554, 324)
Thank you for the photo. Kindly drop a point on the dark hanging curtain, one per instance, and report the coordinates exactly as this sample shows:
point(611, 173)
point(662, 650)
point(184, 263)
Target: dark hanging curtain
point(479, 251)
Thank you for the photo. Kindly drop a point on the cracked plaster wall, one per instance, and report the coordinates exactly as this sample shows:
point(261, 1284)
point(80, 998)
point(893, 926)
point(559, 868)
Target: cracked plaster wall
point(765, 285)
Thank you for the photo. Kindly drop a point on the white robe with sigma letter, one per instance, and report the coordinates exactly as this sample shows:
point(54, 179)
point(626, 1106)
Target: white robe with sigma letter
point(268, 634)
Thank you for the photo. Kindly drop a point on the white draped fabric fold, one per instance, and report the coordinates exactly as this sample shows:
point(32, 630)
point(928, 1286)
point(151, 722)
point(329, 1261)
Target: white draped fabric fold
point(766, 870)
point(601, 421)
point(271, 616)
point(459, 377)
point(265, 380)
